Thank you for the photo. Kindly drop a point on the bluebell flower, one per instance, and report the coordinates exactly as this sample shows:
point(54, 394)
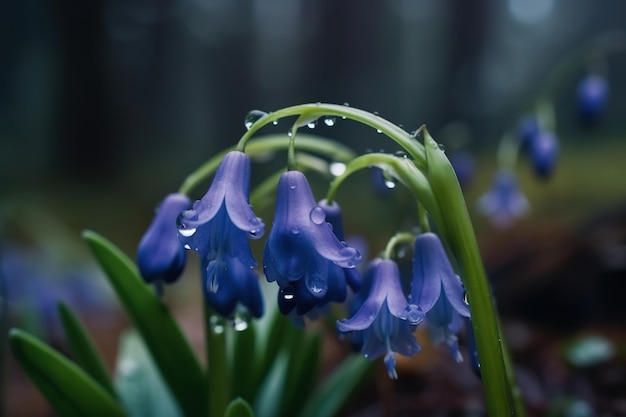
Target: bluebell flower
point(228, 283)
point(302, 253)
point(543, 152)
point(218, 227)
point(160, 255)
point(527, 128)
point(438, 292)
point(592, 95)
point(504, 202)
point(335, 221)
point(385, 322)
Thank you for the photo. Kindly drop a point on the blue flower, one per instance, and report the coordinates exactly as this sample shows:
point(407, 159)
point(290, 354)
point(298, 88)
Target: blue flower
point(335, 220)
point(543, 151)
point(592, 96)
point(438, 292)
point(160, 255)
point(218, 227)
point(385, 322)
point(527, 128)
point(302, 253)
point(504, 202)
point(228, 282)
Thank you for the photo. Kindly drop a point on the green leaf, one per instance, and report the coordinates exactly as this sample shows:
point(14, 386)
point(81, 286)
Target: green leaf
point(84, 349)
point(244, 366)
point(304, 360)
point(269, 397)
point(70, 391)
point(139, 382)
point(335, 391)
point(239, 408)
point(170, 349)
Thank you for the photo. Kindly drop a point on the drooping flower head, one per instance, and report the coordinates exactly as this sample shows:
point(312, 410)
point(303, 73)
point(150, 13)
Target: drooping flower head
point(504, 202)
point(218, 227)
point(335, 221)
point(160, 255)
point(302, 253)
point(438, 292)
point(385, 322)
point(543, 151)
point(592, 96)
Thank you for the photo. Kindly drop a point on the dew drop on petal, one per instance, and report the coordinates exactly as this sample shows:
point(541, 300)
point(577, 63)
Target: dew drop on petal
point(317, 215)
point(295, 230)
point(186, 232)
point(287, 293)
point(465, 298)
point(317, 285)
point(292, 185)
point(252, 117)
point(413, 314)
point(187, 246)
point(337, 168)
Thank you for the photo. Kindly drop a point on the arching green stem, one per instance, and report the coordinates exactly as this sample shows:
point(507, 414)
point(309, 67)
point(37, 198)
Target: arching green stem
point(397, 239)
point(308, 112)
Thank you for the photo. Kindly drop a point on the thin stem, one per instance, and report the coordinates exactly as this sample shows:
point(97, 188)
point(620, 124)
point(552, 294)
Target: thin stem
point(316, 144)
point(311, 111)
point(397, 239)
point(422, 216)
point(218, 383)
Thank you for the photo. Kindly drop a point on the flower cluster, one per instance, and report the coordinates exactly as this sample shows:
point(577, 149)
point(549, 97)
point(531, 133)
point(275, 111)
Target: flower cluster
point(304, 253)
point(384, 319)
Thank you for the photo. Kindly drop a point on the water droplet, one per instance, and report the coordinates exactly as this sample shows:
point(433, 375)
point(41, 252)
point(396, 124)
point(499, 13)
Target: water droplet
point(413, 314)
point(330, 121)
point(292, 185)
point(239, 322)
point(312, 124)
point(375, 113)
point(442, 148)
point(317, 215)
point(252, 117)
point(295, 230)
point(465, 298)
point(187, 246)
point(379, 131)
point(254, 233)
point(390, 183)
point(287, 293)
point(275, 122)
point(401, 154)
point(317, 285)
point(216, 324)
point(345, 103)
point(289, 134)
point(337, 168)
point(187, 232)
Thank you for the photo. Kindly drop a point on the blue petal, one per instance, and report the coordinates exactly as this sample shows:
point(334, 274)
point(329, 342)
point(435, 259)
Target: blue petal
point(544, 150)
point(160, 256)
point(430, 264)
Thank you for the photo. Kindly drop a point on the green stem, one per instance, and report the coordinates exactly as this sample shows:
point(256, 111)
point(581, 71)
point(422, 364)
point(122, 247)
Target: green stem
point(397, 239)
point(218, 383)
point(316, 144)
point(315, 110)
point(497, 377)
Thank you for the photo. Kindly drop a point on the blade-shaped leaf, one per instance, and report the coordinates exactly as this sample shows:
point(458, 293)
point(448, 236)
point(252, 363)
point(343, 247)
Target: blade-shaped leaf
point(139, 382)
point(333, 393)
point(239, 408)
point(83, 348)
point(268, 400)
point(70, 391)
point(304, 360)
point(243, 364)
point(167, 344)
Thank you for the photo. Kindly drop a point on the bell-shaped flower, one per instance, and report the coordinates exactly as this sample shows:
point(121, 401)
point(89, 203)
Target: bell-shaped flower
point(335, 221)
point(160, 255)
point(504, 202)
point(438, 292)
point(385, 322)
point(543, 151)
point(302, 252)
point(527, 128)
point(218, 226)
point(228, 283)
point(592, 96)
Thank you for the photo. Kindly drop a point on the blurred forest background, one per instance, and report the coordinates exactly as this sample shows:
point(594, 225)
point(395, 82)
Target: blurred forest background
point(106, 106)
